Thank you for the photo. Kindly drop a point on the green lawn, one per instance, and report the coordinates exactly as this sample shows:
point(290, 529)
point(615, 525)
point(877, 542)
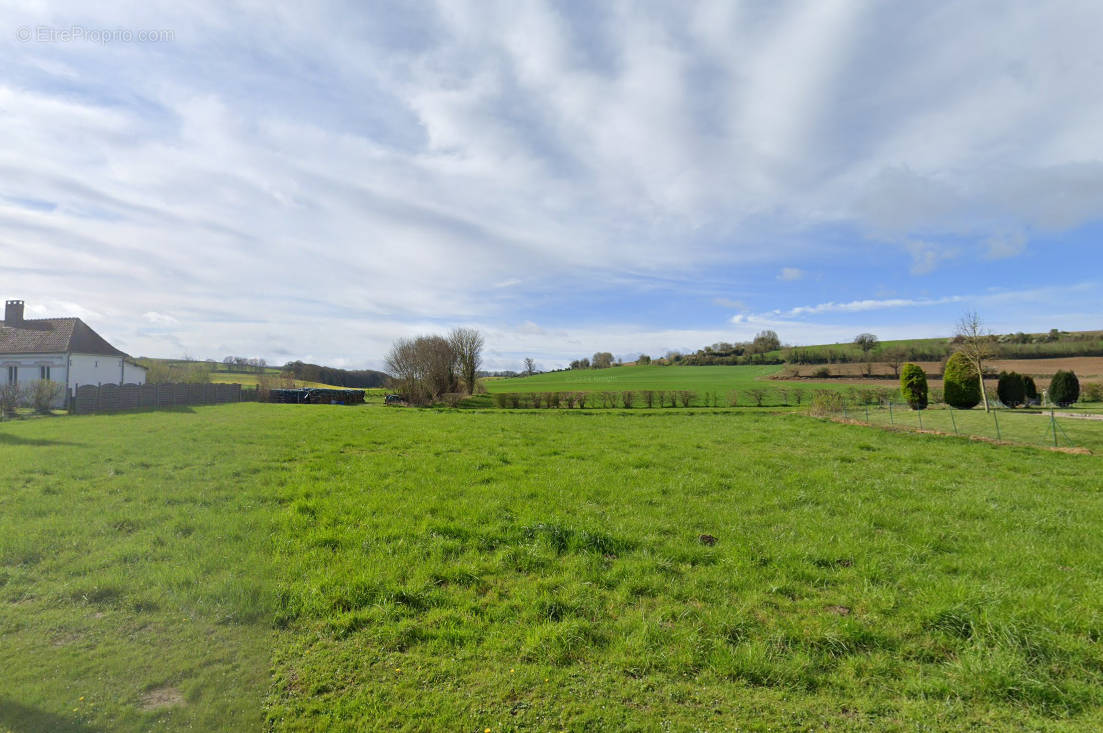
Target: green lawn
point(325, 568)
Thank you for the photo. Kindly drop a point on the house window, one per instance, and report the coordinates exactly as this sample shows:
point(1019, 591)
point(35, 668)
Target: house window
point(13, 374)
point(44, 373)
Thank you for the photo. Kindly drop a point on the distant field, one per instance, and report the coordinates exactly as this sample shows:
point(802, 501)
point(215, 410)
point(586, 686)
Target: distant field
point(317, 568)
point(701, 379)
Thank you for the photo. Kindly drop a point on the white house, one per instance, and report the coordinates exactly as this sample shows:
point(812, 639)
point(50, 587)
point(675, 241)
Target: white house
point(64, 350)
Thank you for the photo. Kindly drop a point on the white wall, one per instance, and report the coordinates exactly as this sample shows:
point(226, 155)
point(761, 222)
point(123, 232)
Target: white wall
point(95, 369)
point(30, 369)
point(133, 374)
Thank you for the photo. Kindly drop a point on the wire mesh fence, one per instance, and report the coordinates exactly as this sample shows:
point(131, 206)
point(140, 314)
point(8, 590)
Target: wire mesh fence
point(1050, 427)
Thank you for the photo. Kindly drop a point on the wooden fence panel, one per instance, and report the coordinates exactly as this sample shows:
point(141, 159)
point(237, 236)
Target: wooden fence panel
point(112, 398)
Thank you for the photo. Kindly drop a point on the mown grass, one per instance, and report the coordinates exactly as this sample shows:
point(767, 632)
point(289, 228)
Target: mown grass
point(1029, 426)
point(321, 568)
point(714, 381)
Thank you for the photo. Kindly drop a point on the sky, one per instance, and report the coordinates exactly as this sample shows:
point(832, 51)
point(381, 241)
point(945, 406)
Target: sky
point(314, 180)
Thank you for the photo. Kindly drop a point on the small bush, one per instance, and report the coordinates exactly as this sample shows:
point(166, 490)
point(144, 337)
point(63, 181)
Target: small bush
point(685, 396)
point(648, 397)
point(913, 386)
point(581, 398)
point(1011, 389)
point(626, 399)
point(43, 393)
point(501, 399)
point(569, 398)
point(537, 400)
point(961, 383)
point(11, 396)
point(733, 399)
point(1064, 388)
point(1091, 392)
point(551, 399)
point(825, 402)
point(514, 400)
point(821, 372)
point(758, 396)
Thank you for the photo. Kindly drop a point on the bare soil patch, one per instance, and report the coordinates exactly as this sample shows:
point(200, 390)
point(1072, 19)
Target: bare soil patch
point(162, 697)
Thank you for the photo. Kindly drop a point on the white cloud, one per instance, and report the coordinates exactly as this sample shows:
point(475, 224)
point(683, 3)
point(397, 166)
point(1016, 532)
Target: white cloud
point(789, 274)
point(160, 319)
point(1006, 245)
point(859, 306)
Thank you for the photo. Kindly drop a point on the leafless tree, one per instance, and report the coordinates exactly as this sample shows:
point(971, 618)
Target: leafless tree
point(423, 368)
point(977, 345)
point(530, 366)
point(467, 345)
point(895, 358)
point(602, 360)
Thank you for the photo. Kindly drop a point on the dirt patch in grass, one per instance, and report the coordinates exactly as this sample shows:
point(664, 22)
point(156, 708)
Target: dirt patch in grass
point(162, 697)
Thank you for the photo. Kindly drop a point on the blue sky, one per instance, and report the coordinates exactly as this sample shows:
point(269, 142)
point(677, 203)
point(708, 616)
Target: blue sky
point(313, 182)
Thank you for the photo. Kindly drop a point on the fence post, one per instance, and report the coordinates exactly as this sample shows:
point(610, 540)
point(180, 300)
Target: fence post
point(844, 410)
point(996, 419)
point(891, 420)
point(867, 413)
point(920, 413)
point(1053, 424)
point(952, 419)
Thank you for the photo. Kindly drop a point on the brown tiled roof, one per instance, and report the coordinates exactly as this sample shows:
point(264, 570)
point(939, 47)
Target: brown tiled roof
point(53, 336)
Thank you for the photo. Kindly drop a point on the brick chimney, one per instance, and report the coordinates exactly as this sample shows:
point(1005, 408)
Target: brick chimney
point(13, 313)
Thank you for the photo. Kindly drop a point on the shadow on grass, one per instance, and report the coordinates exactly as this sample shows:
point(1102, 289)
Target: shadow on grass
point(24, 719)
point(9, 439)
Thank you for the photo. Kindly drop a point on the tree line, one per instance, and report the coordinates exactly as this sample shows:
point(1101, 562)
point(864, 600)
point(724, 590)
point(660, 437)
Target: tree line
point(364, 378)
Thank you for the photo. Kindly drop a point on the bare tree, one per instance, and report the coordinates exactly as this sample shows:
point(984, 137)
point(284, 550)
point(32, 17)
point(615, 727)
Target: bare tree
point(530, 366)
point(766, 341)
point(977, 345)
point(895, 358)
point(602, 360)
point(467, 345)
point(423, 368)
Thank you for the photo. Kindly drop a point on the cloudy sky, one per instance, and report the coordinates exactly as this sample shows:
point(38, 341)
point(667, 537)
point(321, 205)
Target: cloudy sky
point(312, 180)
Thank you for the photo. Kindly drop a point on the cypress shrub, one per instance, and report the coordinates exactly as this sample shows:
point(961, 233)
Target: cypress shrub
point(1064, 388)
point(1010, 389)
point(1030, 388)
point(913, 386)
point(961, 387)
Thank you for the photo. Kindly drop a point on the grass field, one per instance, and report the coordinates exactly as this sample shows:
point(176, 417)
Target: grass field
point(713, 380)
point(1027, 426)
point(324, 568)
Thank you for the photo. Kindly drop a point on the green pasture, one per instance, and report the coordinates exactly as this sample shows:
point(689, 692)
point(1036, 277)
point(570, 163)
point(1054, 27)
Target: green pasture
point(700, 379)
point(252, 566)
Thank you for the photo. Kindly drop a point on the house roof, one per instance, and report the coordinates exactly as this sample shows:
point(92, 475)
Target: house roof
point(53, 336)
